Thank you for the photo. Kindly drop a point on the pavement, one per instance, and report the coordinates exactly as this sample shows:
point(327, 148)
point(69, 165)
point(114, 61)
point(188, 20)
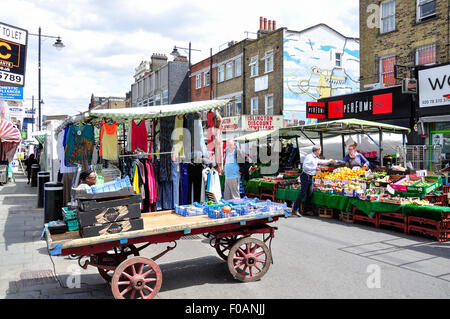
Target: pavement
point(314, 258)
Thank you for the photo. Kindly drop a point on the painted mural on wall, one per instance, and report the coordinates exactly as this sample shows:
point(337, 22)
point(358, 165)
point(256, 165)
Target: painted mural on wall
point(318, 63)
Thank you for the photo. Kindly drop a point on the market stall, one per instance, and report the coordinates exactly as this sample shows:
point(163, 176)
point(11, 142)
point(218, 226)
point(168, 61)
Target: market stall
point(395, 196)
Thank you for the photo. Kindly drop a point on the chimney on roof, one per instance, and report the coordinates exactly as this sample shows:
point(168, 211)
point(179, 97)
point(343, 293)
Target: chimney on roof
point(157, 61)
point(264, 28)
point(270, 25)
point(274, 25)
point(265, 24)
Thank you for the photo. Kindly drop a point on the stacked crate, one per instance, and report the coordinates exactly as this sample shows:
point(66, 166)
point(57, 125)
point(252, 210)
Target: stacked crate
point(109, 215)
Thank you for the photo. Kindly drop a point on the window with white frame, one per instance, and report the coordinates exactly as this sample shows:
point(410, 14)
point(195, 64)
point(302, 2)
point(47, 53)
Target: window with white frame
point(387, 70)
point(229, 70)
point(165, 97)
point(238, 105)
point(158, 99)
point(269, 104)
point(238, 67)
point(254, 66)
point(425, 9)
point(254, 106)
point(338, 59)
point(206, 78)
point(198, 81)
point(387, 16)
point(426, 54)
point(221, 73)
point(268, 61)
point(229, 111)
point(151, 101)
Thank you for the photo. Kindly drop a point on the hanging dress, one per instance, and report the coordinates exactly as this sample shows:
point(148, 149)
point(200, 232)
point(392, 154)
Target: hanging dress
point(108, 141)
point(139, 136)
point(79, 144)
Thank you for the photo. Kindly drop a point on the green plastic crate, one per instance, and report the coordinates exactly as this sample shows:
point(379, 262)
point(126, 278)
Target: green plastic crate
point(72, 224)
point(434, 182)
point(69, 214)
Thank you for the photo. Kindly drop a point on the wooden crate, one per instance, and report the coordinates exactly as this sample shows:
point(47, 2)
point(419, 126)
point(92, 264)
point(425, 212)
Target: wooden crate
point(109, 214)
point(113, 228)
point(325, 212)
point(346, 216)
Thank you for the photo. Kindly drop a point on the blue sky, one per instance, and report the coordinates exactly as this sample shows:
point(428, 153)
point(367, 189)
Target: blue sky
point(107, 39)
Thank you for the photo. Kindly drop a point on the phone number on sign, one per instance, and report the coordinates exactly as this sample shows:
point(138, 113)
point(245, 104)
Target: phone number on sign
point(11, 78)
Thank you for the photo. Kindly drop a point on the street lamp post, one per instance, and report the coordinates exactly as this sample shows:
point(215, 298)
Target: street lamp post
point(58, 45)
point(176, 54)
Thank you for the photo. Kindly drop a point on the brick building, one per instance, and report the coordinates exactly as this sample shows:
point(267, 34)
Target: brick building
point(401, 32)
point(202, 76)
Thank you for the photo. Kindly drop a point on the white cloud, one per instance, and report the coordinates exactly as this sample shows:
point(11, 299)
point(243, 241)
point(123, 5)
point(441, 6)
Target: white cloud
point(106, 40)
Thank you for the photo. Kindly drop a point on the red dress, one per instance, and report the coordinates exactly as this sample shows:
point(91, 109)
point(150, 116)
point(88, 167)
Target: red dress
point(139, 136)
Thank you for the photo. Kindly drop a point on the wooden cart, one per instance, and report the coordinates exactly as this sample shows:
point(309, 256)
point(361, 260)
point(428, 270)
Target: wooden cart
point(248, 258)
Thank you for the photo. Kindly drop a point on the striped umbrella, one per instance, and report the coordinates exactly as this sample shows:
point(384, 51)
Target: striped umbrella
point(8, 132)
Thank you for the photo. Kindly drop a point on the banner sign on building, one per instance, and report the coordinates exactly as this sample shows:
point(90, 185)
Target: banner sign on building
point(11, 93)
point(13, 53)
point(434, 86)
point(316, 110)
point(261, 122)
point(230, 123)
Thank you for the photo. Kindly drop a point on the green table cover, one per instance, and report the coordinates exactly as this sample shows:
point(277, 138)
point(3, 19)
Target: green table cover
point(332, 201)
point(372, 207)
point(432, 212)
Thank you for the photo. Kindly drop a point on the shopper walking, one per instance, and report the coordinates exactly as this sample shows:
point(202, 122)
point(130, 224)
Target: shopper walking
point(310, 168)
point(28, 163)
point(232, 173)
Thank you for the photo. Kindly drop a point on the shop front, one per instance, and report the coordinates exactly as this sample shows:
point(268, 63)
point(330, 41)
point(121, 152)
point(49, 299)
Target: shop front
point(433, 111)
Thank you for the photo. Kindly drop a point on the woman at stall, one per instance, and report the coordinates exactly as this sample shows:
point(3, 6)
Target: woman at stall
point(87, 179)
point(354, 158)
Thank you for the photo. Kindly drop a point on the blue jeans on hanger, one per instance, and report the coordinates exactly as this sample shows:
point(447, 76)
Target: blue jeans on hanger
point(176, 183)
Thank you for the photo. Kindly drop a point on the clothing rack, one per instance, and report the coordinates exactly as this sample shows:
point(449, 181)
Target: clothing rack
point(144, 154)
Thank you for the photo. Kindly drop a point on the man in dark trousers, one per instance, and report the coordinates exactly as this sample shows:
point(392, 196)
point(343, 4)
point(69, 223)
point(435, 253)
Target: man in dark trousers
point(310, 164)
point(28, 163)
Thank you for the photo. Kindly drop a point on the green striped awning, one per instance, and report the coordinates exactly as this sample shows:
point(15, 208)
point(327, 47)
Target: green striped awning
point(148, 112)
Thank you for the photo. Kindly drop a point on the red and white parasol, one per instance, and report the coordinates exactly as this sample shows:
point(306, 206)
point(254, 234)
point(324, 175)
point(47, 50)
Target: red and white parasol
point(9, 133)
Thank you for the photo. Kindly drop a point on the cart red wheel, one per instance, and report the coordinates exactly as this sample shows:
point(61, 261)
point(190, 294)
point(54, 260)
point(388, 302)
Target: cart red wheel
point(224, 244)
point(136, 278)
point(249, 259)
point(113, 259)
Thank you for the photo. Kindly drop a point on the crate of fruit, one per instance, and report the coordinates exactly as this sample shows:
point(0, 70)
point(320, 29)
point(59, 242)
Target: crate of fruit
point(402, 184)
point(426, 186)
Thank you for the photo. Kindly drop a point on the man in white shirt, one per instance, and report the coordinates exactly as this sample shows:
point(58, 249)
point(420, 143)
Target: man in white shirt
point(310, 164)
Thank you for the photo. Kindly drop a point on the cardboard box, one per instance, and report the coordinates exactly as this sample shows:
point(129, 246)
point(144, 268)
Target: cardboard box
point(109, 214)
point(112, 228)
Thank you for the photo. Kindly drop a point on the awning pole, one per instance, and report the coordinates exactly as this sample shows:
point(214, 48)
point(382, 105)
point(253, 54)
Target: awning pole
point(380, 133)
point(321, 143)
point(343, 145)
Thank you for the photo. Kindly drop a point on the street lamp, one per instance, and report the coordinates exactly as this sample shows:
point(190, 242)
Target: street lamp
point(176, 54)
point(58, 45)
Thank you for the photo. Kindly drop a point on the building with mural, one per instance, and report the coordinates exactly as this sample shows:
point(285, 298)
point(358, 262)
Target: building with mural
point(271, 78)
point(318, 62)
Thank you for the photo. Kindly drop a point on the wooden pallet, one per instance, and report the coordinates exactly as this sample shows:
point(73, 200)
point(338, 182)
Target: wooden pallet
point(361, 216)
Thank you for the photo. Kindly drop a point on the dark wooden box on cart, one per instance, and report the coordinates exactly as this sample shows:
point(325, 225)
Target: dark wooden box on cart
point(109, 213)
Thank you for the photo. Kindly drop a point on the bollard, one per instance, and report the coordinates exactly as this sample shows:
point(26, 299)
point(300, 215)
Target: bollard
point(34, 171)
point(42, 177)
point(53, 201)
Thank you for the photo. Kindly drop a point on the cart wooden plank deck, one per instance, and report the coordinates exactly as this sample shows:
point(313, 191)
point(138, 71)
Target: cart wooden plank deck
point(248, 258)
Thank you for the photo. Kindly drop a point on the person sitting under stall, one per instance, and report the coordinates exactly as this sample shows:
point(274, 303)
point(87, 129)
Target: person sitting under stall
point(88, 178)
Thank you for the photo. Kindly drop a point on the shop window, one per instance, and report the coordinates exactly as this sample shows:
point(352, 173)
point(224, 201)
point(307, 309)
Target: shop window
point(425, 9)
point(229, 109)
point(387, 71)
point(426, 55)
point(165, 97)
point(338, 59)
point(387, 16)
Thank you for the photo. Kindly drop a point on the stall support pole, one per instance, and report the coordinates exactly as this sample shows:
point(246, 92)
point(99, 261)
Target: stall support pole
point(343, 145)
point(298, 150)
point(321, 143)
point(404, 149)
point(380, 147)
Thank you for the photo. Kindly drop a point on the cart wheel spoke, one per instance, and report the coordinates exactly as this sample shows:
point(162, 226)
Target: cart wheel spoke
point(259, 269)
point(120, 283)
point(140, 269)
point(133, 294)
point(126, 290)
point(147, 273)
point(150, 280)
point(148, 288)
